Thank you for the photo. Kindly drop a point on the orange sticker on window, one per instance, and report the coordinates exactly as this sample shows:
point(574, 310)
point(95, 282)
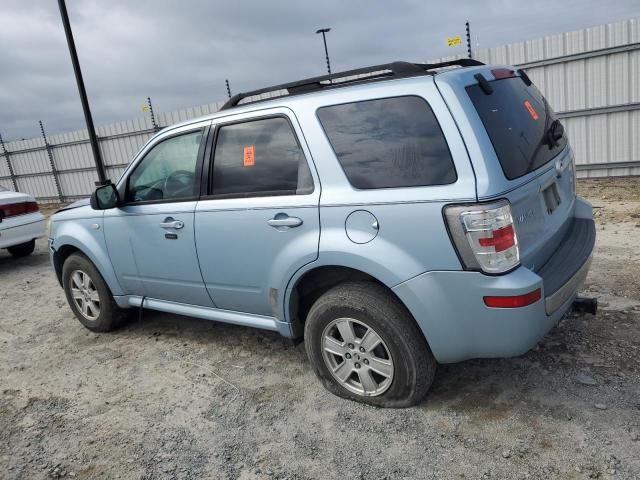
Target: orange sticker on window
point(532, 112)
point(249, 156)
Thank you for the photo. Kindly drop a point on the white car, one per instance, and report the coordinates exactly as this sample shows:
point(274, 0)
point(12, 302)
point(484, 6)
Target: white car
point(20, 222)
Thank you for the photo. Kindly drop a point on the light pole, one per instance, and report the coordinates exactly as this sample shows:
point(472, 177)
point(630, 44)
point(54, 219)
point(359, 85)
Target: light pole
point(102, 177)
point(323, 31)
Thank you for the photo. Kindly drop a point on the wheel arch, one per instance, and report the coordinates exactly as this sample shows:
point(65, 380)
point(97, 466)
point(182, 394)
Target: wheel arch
point(311, 284)
point(66, 245)
point(60, 256)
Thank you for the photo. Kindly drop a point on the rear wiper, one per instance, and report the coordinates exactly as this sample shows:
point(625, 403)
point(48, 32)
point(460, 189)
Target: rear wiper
point(555, 133)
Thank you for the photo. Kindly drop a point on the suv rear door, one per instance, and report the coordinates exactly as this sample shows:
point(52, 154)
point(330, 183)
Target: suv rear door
point(260, 221)
point(507, 125)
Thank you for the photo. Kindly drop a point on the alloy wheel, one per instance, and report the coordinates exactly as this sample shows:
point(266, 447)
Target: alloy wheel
point(85, 295)
point(357, 357)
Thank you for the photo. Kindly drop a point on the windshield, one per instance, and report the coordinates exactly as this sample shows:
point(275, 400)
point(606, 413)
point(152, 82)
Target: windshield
point(518, 119)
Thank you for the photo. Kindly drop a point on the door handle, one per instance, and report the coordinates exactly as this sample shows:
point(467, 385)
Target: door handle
point(171, 223)
point(285, 221)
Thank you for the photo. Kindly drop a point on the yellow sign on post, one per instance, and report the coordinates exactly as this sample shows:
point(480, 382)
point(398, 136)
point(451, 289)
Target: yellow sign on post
point(454, 41)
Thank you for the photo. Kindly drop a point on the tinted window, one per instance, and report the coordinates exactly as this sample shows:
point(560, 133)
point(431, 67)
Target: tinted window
point(168, 170)
point(517, 118)
point(389, 142)
point(260, 157)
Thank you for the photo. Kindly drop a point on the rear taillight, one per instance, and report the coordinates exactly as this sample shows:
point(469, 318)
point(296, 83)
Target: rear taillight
point(15, 209)
point(484, 236)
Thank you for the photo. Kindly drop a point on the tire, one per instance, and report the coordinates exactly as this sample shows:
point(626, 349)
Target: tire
point(403, 355)
point(108, 315)
point(22, 250)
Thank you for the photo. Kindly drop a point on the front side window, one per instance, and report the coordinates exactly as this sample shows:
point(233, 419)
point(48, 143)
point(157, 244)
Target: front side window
point(168, 171)
point(388, 143)
point(260, 158)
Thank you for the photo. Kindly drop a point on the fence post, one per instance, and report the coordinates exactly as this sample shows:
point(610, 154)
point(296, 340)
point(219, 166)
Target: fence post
point(226, 81)
point(153, 117)
point(54, 171)
point(11, 172)
point(468, 29)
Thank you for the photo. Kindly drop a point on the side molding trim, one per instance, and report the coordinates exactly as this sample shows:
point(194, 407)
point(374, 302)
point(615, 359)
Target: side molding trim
point(206, 313)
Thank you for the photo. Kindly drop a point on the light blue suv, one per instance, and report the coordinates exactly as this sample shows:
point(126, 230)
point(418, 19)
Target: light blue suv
point(390, 217)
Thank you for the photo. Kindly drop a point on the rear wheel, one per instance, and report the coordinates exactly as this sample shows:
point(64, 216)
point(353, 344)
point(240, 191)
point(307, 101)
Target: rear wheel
point(22, 250)
point(364, 345)
point(89, 296)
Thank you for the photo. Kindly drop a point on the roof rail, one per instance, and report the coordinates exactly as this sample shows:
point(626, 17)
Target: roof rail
point(340, 79)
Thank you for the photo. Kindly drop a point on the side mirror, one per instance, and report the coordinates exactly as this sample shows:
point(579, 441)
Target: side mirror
point(105, 197)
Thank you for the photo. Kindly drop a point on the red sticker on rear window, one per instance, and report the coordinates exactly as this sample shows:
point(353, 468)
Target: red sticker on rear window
point(532, 112)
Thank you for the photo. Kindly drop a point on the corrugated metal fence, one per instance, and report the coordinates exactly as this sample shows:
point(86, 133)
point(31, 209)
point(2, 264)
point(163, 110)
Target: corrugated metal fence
point(60, 168)
point(591, 77)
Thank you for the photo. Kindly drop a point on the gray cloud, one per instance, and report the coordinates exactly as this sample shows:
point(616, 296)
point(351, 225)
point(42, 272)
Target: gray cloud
point(180, 52)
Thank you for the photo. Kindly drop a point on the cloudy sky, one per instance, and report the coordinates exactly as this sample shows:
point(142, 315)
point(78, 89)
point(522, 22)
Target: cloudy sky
point(180, 52)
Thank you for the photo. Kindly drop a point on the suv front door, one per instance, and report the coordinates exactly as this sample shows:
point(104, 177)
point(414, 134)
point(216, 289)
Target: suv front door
point(260, 222)
point(150, 237)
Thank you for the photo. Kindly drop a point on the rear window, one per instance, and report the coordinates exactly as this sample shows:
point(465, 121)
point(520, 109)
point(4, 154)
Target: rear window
point(517, 118)
point(388, 142)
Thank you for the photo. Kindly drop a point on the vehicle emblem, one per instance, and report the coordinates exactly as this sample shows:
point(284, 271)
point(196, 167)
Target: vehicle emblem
point(559, 167)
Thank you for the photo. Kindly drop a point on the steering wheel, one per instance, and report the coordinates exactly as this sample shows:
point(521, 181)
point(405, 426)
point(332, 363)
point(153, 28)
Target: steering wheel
point(178, 184)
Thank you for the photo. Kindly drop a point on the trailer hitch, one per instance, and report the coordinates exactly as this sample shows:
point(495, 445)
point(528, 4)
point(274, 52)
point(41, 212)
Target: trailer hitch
point(587, 305)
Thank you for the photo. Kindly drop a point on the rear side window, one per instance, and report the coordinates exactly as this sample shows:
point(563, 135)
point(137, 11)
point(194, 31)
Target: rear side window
point(517, 118)
point(260, 158)
point(388, 142)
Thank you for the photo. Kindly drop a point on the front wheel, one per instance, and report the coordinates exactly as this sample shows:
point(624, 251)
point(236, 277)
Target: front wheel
point(365, 346)
point(89, 296)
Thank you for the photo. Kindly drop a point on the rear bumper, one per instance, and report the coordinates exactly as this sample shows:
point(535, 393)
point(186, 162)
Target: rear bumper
point(450, 310)
point(21, 229)
point(567, 268)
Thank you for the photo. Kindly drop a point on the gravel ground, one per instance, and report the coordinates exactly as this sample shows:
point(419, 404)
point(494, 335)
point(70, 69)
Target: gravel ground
point(175, 397)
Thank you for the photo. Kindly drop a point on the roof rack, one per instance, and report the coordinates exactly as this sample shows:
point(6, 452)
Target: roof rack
point(349, 77)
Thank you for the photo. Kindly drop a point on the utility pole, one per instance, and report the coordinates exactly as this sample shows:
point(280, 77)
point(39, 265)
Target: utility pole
point(323, 31)
point(95, 148)
point(469, 54)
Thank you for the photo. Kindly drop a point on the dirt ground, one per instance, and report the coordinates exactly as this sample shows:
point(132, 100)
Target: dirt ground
point(175, 397)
